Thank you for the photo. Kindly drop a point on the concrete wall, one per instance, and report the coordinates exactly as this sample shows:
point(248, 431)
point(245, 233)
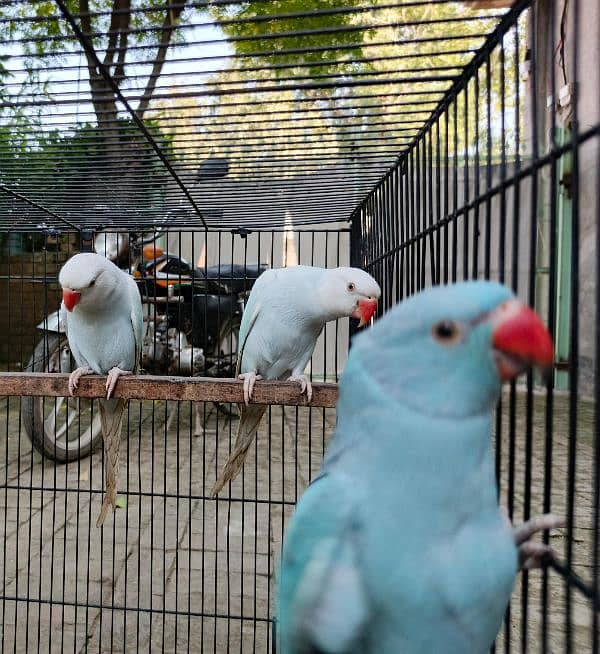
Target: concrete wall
point(29, 291)
point(552, 60)
point(491, 234)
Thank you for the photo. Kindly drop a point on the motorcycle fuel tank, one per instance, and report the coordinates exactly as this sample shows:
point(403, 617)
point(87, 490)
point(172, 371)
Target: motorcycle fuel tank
point(207, 316)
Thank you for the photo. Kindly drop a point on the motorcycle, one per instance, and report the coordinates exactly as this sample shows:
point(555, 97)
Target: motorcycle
point(191, 325)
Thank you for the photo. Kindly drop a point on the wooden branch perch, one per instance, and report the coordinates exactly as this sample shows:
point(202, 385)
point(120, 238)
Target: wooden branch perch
point(149, 387)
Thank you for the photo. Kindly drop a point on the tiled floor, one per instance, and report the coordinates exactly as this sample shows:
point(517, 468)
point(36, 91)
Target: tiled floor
point(170, 551)
point(177, 571)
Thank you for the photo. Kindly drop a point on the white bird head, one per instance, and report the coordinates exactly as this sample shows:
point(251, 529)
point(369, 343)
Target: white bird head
point(88, 281)
point(349, 292)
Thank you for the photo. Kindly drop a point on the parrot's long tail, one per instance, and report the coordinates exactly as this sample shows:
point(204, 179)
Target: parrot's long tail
point(111, 416)
point(249, 418)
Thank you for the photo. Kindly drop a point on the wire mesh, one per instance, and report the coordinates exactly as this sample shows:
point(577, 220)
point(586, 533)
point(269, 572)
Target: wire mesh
point(499, 185)
point(426, 142)
point(135, 101)
point(176, 570)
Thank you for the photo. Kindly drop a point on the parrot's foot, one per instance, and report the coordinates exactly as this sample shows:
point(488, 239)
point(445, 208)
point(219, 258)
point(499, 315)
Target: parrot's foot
point(249, 379)
point(111, 379)
point(76, 375)
point(305, 383)
point(533, 554)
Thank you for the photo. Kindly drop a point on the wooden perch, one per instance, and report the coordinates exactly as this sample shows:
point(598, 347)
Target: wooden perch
point(149, 387)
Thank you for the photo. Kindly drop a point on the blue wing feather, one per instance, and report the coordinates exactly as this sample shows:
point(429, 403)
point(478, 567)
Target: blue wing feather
point(322, 604)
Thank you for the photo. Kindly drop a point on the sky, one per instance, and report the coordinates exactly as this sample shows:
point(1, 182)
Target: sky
point(64, 79)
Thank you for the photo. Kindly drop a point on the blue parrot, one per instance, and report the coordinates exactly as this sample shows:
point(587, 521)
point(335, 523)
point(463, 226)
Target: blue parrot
point(399, 546)
point(285, 313)
point(102, 312)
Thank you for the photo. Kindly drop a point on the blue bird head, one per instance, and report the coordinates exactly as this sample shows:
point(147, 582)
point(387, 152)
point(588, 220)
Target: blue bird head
point(444, 352)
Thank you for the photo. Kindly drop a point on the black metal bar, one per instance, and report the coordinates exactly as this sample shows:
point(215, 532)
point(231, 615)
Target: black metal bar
point(267, 36)
point(33, 203)
point(381, 132)
point(341, 10)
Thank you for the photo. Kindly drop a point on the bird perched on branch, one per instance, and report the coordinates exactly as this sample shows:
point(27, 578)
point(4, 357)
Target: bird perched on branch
point(399, 545)
point(285, 313)
point(102, 312)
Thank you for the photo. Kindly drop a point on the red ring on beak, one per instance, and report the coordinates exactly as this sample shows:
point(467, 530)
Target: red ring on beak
point(70, 298)
point(520, 339)
point(365, 310)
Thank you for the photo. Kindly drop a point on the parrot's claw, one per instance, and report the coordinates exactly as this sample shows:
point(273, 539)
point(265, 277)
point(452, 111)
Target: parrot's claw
point(249, 379)
point(305, 384)
point(533, 554)
point(111, 379)
point(74, 378)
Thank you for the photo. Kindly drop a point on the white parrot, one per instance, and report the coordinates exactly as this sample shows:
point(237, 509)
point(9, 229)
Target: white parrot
point(102, 313)
point(285, 313)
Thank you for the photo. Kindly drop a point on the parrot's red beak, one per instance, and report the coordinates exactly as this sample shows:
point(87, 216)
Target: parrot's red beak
point(70, 298)
point(520, 340)
point(364, 311)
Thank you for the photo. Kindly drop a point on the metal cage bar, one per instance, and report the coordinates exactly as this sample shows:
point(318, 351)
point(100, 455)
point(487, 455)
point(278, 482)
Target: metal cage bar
point(498, 180)
point(426, 142)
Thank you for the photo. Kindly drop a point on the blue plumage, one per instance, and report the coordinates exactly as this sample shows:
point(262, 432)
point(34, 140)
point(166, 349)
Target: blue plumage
point(399, 546)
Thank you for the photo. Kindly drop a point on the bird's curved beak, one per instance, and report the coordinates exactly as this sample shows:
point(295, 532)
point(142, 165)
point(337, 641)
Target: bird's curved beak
point(70, 298)
point(364, 311)
point(520, 340)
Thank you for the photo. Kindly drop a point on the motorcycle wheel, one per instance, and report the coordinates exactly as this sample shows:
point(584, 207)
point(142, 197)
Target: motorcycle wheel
point(227, 350)
point(60, 428)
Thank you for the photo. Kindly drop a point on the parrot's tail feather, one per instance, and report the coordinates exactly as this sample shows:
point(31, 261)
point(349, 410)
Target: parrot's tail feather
point(106, 504)
point(111, 415)
point(233, 466)
point(249, 419)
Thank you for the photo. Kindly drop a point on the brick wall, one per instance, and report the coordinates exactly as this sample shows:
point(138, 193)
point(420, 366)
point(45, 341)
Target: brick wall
point(29, 290)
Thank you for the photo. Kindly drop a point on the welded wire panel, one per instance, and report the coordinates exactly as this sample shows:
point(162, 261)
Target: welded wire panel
point(174, 570)
point(460, 140)
point(220, 113)
point(502, 185)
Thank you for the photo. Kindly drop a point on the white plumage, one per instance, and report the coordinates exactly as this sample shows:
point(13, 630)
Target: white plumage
point(102, 311)
point(283, 318)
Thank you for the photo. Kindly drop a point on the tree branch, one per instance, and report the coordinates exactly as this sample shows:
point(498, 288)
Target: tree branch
point(120, 67)
point(118, 37)
point(106, 109)
point(86, 25)
point(171, 19)
point(113, 33)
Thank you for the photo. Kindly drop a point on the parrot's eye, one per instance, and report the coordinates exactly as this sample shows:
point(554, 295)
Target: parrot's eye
point(351, 286)
point(446, 332)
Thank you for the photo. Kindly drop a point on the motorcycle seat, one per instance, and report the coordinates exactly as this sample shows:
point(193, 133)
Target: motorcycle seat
point(236, 277)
